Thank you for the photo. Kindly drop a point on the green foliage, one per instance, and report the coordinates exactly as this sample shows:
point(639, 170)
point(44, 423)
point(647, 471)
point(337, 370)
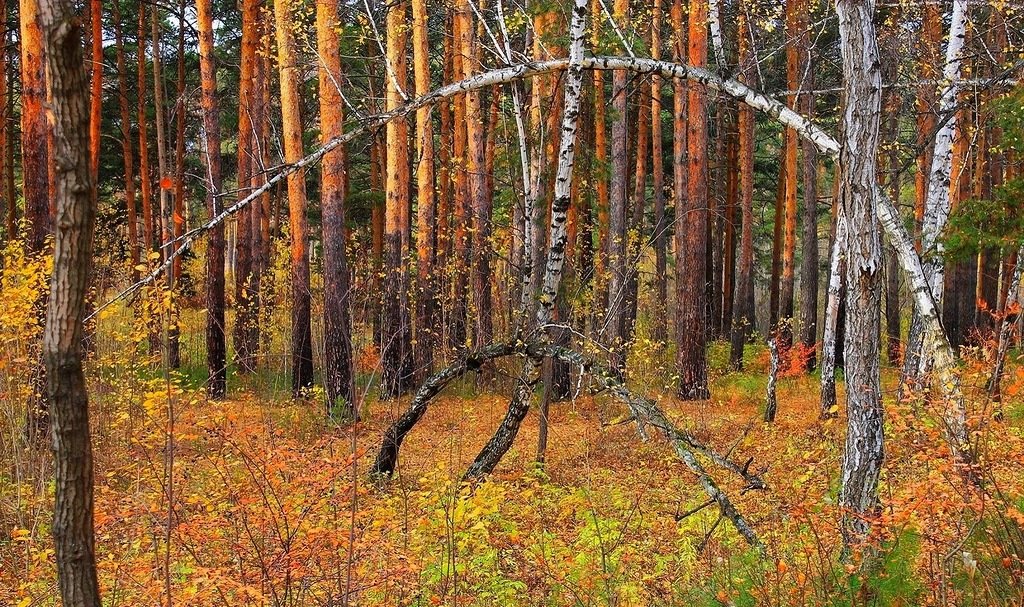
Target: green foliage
point(999, 221)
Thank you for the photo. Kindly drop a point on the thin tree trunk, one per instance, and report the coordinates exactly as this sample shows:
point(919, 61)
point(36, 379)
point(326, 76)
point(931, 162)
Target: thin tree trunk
point(339, 376)
point(7, 137)
point(216, 345)
point(691, 293)
point(291, 101)
point(426, 203)
point(862, 89)
point(397, 361)
point(809, 217)
point(64, 331)
point(928, 66)
point(134, 254)
point(743, 309)
point(679, 175)
point(477, 181)
point(659, 324)
point(145, 174)
point(831, 340)
point(502, 440)
point(937, 200)
point(96, 92)
point(603, 197)
point(35, 160)
point(461, 216)
point(248, 163)
point(35, 176)
point(10, 205)
point(778, 243)
point(615, 321)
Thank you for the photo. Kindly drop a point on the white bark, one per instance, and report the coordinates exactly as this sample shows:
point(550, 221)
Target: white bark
point(937, 201)
point(828, 341)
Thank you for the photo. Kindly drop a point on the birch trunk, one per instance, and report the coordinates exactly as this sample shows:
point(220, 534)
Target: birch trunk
point(858, 194)
point(937, 202)
point(503, 438)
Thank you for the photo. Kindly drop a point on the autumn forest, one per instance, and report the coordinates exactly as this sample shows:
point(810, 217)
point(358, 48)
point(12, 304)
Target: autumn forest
point(511, 302)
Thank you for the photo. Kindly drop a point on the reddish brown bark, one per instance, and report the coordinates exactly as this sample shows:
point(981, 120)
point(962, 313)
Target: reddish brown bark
point(216, 346)
point(339, 378)
point(34, 156)
point(291, 101)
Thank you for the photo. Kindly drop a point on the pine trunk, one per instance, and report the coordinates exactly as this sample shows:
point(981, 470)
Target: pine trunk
point(397, 356)
point(216, 344)
point(743, 309)
point(691, 292)
point(339, 376)
point(291, 122)
point(426, 201)
point(618, 263)
point(64, 330)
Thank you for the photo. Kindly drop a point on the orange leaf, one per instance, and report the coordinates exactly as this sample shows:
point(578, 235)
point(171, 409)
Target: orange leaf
point(166, 183)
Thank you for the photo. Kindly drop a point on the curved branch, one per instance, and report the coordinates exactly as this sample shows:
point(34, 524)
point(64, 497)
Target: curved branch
point(387, 457)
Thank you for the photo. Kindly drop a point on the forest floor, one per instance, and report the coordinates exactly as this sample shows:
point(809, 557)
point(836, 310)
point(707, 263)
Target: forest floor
point(272, 504)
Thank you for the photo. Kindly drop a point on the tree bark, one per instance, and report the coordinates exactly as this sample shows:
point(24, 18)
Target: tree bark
point(291, 101)
point(743, 309)
point(832, 338)
point(659, 324)
point(246, 297)
point(339, 376)
point(426, 201)
point(691, 293)
point(397, 356)
point(216, 345)
point(134, 253)
point(858, 157)
point(95, 92)
point(618, 263)
point(35, 161)
point(937, 202)
point(145, 174)
point(64, 330)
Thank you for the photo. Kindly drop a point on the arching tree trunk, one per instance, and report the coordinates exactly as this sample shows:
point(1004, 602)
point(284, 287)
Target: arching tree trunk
point(339, 376)
point(64, 330)
point(291, 101)
point(216, 345)
point(862, 88)
point(691, 339)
